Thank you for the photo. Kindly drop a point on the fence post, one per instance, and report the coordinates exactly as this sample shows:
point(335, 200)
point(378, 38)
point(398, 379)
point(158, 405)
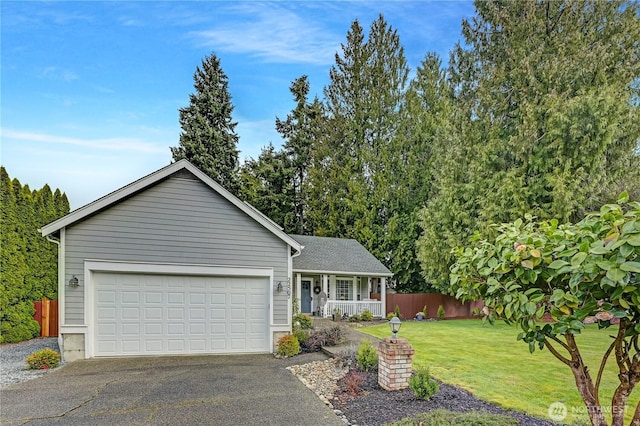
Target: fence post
point(44, 328)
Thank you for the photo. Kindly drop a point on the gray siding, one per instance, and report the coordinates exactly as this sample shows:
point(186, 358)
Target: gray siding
point(178, 220)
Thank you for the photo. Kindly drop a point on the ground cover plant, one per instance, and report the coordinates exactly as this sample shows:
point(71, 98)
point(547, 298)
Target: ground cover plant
point(489, 362)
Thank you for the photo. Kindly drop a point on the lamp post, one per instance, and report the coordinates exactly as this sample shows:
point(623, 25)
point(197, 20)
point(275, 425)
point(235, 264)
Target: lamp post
point(395, 324)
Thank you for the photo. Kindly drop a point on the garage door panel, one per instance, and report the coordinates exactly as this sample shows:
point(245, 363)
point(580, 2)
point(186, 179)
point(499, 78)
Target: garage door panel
point(138, 314)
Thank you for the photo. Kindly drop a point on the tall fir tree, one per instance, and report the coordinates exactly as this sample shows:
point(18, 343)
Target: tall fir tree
point(300, 130)
point(268, 185)
point(353, 161)
point(208, 138)
point(548, 114)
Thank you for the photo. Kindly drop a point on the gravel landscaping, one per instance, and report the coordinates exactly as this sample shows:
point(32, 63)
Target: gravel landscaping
point(374, 406)
point(13, 367)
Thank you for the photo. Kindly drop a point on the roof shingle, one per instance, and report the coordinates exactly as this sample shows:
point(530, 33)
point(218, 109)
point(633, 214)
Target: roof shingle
point(336, 255)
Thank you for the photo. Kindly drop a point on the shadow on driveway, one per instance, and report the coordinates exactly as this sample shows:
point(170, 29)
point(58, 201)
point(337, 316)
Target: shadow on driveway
point(189, 390)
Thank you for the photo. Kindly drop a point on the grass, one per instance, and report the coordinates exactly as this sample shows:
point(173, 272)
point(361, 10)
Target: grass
point(489, 362)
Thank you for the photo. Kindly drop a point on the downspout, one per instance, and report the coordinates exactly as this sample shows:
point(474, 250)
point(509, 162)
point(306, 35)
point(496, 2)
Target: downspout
point(61, 272)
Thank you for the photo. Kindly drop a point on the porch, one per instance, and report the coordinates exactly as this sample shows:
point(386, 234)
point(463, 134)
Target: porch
point(337, 274)
point(325, 294)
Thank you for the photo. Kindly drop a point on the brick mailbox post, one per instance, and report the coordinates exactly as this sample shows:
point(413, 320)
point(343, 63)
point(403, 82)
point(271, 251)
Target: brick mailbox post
point(394, 363)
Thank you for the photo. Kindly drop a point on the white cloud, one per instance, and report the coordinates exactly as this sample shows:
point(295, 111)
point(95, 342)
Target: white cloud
point(57, 73)
point(273, 34)
point(110, 144)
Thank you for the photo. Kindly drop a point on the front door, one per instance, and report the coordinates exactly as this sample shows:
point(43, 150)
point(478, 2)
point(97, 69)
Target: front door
point(305, 297)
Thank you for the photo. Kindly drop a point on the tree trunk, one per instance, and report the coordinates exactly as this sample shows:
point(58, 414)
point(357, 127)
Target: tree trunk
point(584, 383)
point(587, 391)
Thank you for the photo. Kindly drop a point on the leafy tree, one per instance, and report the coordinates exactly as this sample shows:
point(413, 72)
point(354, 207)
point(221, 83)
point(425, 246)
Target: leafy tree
point(268, 185)
point(300, 129)
point(581, 273)
point(548, 117)
point(208, 138)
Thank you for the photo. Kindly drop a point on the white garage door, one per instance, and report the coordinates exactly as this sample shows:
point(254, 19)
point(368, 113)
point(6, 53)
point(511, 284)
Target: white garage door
point(140, 314)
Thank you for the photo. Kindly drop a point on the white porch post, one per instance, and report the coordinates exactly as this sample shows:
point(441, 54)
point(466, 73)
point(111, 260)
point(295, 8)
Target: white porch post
point(325, 288)
point(299, 291)
point(354, 289)
point(383, 295)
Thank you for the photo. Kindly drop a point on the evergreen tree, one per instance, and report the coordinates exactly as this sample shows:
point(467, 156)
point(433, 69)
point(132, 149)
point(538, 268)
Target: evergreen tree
point(353, 161)
point(300, 130)
point(29, 267)
point(546, 94)
point(268, 185)
point(208, 138)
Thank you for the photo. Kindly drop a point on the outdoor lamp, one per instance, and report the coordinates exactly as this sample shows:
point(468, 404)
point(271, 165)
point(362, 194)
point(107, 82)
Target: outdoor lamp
point(279, 286)
point(73, 282)
point(395, 324)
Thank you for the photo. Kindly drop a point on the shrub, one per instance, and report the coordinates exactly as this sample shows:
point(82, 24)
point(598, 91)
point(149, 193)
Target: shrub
point(390, 316)
point(347, 357)
point(367, 356)
point(17, 323)
point(397, 311)
point(43, 359)
point(445, 417)
point(354, 318)
point(288, 345)
point(353, 381)
point(424, 311)
point(331, 336)
point(295, 307)
point(302, 321)
point(366, 315)
point(422, 385)
point(441, 312)
point(301, 335)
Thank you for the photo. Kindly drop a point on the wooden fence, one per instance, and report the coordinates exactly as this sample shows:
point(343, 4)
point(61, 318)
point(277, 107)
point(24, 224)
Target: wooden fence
point(410, 304)
point(47, 316)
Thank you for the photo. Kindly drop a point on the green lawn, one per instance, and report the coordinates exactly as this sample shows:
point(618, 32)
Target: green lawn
point(489, 362)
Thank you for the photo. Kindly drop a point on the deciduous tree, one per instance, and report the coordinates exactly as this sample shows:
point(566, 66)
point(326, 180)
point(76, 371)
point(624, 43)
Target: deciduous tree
point(581, 273)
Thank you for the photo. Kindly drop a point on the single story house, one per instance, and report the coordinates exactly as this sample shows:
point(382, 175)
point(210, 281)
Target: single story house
point(175, 264)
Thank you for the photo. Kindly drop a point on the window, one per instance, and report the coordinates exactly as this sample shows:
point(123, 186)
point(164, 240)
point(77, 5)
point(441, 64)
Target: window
point(344, 290)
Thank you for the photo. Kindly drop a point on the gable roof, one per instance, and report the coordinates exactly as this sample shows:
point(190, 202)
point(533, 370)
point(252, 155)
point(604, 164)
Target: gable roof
point(153, 178)
point(336, 256)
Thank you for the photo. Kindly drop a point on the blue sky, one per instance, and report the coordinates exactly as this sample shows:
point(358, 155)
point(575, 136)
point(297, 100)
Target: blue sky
point(90, 91)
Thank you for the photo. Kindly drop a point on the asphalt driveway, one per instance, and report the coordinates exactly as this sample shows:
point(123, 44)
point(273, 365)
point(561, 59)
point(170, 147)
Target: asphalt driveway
point(185, 390)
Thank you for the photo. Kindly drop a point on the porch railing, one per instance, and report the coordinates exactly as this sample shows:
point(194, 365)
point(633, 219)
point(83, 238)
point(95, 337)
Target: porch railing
point(352, 307)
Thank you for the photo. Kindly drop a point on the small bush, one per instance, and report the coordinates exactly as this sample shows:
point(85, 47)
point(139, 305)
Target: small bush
point(367, 356)
point(288, 345)
point(397, 311)
point(441, 312)
point(390, 316)
point(422, 385)
point(331, 336)
point(353, 381)
point(43, 359)
point(354, 318)
point(302, 321)
point(301, 335)
point(366, 315)
point(347, 357)
point(445, 417)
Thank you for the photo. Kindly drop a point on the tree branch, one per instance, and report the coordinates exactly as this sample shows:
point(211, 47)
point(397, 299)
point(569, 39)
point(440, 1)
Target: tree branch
point(555, 352)
point(601, 370)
